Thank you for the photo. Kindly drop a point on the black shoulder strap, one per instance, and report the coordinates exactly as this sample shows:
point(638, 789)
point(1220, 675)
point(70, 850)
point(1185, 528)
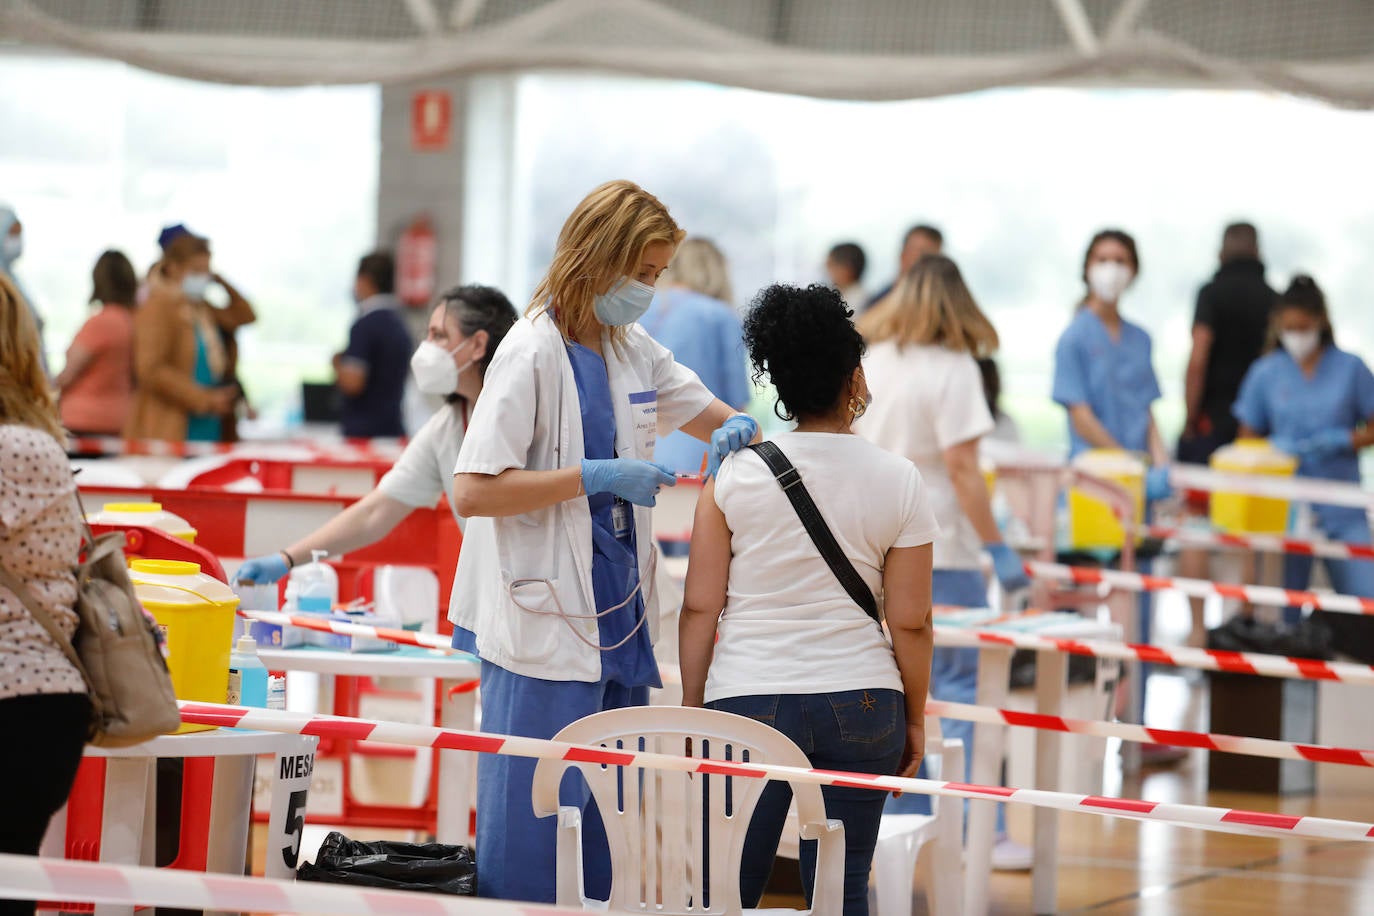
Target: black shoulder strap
point(790, 480)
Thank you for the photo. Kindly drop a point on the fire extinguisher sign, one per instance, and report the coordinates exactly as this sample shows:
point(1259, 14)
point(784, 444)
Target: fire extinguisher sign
point(431, 120)
point(417, 255)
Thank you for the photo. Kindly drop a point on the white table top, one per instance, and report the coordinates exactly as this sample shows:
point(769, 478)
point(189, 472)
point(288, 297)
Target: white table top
point(219, 742)
point(404, 662)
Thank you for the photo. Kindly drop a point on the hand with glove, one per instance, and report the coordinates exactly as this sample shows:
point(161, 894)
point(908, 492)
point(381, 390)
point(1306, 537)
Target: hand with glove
point(1157, 484)
point(629, 478)
point(1006, 563)
point(733, 435)
point(1328, 443)
point(263, 570)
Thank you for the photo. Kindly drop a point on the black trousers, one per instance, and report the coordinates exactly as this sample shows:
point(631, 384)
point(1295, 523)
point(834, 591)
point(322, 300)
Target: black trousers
point(37, 770)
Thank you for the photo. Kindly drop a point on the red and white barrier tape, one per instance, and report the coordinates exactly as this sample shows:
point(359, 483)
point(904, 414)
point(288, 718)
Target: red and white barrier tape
point(1200, 588)
point(1267, 543)
point(386, 449)
point(1302, 669)
point(324, 625)
point(1293, 489)
point(33, 878)
point(1252, 747)
point(1207, 818)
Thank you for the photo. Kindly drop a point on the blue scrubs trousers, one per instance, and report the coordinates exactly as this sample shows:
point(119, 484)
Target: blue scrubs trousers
point(516, 851)
point(1351, 634)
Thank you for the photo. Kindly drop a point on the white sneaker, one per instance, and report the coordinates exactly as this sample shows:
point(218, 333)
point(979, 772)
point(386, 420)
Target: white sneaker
point(1009, 855)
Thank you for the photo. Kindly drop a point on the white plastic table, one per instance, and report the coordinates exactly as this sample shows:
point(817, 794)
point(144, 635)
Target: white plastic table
point(989, 746)
point(459, 710)
point(129, 818)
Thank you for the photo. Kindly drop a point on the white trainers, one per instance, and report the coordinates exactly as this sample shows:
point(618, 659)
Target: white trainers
point(1009, 855)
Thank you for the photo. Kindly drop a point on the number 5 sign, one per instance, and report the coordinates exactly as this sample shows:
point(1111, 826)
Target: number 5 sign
point(286, 819)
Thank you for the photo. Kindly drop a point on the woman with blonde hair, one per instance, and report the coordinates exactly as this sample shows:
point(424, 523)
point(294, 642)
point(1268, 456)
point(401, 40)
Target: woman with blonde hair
point(692, 316)
point(925, 339)
point(556, 592)
point(42, 696)
point(181, 364)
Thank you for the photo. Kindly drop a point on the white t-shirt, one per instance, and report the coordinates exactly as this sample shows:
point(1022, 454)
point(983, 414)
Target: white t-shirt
point(789, 626)
point(927, 398)
point(424, 472)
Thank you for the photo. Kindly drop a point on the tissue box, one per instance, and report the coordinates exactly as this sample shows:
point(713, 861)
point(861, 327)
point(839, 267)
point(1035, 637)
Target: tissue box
point(344, 643)
point(276, 636)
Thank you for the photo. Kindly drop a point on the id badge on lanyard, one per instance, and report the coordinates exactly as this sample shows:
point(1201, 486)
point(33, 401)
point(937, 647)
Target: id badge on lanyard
point(621, 518)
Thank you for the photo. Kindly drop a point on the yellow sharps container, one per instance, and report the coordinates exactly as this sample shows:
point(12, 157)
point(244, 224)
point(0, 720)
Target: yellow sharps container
point(1241, 513)
point(196, 614)
point(147, 515)
point(1092, 523)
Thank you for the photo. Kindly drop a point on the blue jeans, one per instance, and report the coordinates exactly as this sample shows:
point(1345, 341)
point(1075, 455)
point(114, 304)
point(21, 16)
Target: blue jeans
point(862, 731)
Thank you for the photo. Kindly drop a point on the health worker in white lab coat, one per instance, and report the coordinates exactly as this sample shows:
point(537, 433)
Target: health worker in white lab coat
point(465, 328)
point(560, 603)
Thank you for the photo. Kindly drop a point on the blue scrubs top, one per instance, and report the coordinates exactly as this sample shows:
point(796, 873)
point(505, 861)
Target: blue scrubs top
point(1115, 378)
point(203, 427)
point(705, 336)
point(615, 565)
point(1277, 399)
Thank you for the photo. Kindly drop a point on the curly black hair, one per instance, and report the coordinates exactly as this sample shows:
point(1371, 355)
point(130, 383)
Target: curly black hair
point(804, 341)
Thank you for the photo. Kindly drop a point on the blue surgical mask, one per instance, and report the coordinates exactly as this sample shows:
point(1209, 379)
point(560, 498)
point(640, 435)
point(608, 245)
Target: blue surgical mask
point(625, 303)
point(14, 247)
point(195, 285)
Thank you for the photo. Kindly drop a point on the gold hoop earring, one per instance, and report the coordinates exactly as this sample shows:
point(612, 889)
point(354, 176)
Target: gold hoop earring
point(857, 407)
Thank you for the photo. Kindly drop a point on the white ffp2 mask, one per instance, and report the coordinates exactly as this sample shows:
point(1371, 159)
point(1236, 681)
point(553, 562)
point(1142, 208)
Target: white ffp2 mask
point(434, 369)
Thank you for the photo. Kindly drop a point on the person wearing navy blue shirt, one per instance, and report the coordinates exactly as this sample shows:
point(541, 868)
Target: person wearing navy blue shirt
point(919, 241)
point(372, 370)
point(1316, 401)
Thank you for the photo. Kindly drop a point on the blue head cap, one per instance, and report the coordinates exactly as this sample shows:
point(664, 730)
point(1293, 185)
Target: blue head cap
point(171, 233)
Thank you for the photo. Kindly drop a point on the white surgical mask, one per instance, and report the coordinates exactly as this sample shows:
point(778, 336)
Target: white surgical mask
point(435, 371)
point(625, 303)
point(1108, 279)
point(195, 285)
point(1300, 344)
point(14, 247)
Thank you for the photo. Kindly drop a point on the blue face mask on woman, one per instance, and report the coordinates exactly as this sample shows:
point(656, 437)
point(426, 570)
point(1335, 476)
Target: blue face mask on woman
point(625, 303)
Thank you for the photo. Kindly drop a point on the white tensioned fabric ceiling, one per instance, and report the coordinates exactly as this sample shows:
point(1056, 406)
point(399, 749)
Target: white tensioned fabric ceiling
point(855, 49)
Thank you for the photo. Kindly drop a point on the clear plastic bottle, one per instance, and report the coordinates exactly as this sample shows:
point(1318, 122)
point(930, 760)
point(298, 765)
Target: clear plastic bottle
point(247, 675)
point(317, 585)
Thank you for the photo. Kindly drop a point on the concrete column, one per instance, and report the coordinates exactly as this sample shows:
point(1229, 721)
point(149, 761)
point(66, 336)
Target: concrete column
point(412, 182)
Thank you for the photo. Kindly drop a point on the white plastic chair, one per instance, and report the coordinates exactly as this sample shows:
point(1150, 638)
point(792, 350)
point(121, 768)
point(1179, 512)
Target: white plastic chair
point(901, 836)
point(658, 822)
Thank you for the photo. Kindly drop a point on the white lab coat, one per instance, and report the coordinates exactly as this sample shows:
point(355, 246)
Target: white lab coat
point(529, 417)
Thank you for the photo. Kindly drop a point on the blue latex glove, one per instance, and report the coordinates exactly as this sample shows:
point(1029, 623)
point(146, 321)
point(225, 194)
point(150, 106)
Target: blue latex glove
point(733, 435)
point(262, 570)
point(1326, 444)
point(1157, 484)
point(1285, 444)
point(628, 478)
point(1006, 563)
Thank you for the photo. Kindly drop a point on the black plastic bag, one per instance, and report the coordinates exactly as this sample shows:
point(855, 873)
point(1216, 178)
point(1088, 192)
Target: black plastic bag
point(1308, 639)
point(432, 867)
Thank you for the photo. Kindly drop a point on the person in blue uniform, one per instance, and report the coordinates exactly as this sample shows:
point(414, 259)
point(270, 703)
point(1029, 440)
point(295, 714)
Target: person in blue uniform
point(1316, 401)
point(555, 582)
point(691, 315)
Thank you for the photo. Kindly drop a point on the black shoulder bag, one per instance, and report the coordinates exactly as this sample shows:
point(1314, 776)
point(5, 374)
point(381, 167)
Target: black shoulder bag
point(790, 480)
